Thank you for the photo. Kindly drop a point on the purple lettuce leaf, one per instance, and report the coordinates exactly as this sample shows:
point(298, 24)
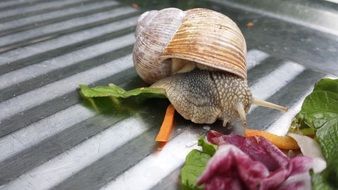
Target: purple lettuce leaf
point(256, 147)
point(229, 167)
point(253, 163)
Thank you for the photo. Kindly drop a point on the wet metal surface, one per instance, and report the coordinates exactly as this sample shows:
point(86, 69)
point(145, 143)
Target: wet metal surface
point(50, 138)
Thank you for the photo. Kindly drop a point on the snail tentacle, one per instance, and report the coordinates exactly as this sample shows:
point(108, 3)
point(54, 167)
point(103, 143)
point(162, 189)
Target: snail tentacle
point(266, 104)
point(242, 114)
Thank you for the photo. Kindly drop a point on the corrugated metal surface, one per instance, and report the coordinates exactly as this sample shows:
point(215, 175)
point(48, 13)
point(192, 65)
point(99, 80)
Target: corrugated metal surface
point(49, 139)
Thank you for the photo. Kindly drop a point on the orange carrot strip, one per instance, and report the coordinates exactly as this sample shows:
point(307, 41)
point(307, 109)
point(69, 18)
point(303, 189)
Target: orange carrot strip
point(167, 125)
point(282, 142)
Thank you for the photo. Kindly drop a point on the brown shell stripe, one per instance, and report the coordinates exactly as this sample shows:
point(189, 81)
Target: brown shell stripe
point(186, 41)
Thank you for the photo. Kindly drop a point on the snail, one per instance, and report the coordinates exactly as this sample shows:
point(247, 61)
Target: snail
point(198, 57)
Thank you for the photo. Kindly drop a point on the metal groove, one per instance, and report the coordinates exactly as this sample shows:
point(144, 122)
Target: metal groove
point(62, 50)
point(34, 114)
point(5, 3)
point(264, 68)
point(61, 73)
point(52, 35)
point(43, 129)
point(55, 20)
point(85, 153)
point(177, 148)
point(64, 25)
point(25, 4)
point(290, 12)
point(43, 110)
point(106, 168)
point(286, 40)
point(53, 146)
point(45, 10)
point(170, 182)
point(130, 154)
point(42, 5)
point(35, 70)
point(65, 40)
point(59, 51)
point(261, 118)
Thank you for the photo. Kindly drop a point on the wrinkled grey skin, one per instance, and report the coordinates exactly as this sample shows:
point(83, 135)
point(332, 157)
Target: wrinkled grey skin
point(205, 96)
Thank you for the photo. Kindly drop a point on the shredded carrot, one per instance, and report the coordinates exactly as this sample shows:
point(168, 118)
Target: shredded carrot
point(167, 126)
point(282, 142)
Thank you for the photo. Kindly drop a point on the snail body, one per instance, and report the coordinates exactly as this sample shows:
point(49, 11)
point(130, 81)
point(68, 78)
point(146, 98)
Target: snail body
point(205, 96)
point(199, 57)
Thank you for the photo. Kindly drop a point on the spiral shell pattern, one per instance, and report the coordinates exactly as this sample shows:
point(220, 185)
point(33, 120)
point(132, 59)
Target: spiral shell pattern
point(153, 33)
point(198, 35)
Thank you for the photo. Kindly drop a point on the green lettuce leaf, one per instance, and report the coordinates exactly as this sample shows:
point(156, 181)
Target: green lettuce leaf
point(207, 147)
point(319, 182)
point(118, 92)
point(319, 112)
point(195, 163)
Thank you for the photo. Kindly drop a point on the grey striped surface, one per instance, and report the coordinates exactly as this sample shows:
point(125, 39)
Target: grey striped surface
point(51, 139)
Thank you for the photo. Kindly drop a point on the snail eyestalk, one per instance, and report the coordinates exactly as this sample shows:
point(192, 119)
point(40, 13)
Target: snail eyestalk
point(266, 104)
point(242, 114)
point(225, 121)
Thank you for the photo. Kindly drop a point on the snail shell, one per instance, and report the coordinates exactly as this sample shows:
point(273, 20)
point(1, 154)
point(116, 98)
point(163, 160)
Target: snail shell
point(168, 38)
point(171, 41)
